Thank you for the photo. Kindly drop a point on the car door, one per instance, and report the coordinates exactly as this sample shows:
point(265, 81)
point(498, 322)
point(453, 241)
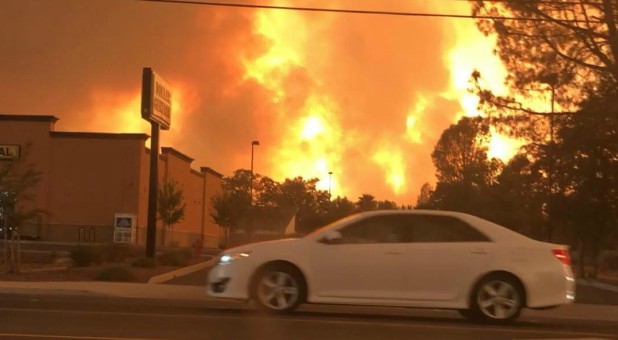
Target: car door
point(364, 264)
point(444, 257)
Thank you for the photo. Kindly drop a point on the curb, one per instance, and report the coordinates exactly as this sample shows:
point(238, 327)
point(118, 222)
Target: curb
point(600, 285)
point(180, 272)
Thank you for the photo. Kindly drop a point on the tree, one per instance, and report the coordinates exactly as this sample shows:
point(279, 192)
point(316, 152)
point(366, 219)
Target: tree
point(170, 207)
point(424, 198)
point(18, 179)
point(571, 44)
point(234, 203)
point(387, 205)
point(366, 202)
point(461, 153)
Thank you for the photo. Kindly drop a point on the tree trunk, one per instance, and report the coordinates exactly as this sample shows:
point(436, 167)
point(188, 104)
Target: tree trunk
point(582, 268)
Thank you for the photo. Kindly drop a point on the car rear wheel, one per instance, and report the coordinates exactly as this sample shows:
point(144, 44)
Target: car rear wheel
point(279, 289)
point(497, 299)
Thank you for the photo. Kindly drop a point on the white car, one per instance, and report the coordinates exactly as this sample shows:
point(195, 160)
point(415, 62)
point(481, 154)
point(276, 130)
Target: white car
point(414, 258)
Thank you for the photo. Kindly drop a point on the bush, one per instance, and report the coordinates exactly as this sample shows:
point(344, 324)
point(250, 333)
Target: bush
point(144, 262)
point(117, 253)
point(84, 256)
point(176, 257)
point(115, 273)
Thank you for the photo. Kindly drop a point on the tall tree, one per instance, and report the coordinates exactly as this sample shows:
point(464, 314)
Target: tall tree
point(234, 202)
point(366, 202)
point(572, 45)
point(424, 198)
point(170, 207)
point(460, 156)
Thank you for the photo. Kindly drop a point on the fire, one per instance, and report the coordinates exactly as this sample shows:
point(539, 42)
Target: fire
point(392, 162)
point(473, 51)
point(121, 113)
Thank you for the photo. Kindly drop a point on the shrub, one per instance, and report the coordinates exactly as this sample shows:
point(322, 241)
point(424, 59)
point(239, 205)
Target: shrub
point(84, 256)
point(115, 273)
point(117, 253)
point(176, 257)
point(144, 262)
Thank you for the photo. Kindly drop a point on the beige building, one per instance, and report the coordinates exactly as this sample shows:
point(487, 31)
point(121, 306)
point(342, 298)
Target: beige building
point(88, 178)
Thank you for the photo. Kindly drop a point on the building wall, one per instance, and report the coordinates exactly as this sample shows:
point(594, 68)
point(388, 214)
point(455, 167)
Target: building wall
point(88, 177)
point(93, 177)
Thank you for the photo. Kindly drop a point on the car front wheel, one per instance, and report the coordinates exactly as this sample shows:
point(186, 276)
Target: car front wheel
point(279, 289)
point(496, 299)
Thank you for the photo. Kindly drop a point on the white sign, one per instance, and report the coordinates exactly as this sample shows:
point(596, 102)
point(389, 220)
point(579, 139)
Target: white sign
point(125, 228)
point(156, 99)
point(9, 152)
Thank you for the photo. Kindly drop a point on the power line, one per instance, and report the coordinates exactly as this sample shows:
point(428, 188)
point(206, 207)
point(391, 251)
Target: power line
point(356, 11)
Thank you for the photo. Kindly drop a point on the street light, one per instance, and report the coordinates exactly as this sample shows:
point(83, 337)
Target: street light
point(330, 182)
point(253, 145)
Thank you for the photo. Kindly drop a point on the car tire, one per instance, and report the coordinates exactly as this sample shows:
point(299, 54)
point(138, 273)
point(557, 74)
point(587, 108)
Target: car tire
point(497, 298)
point(279, 289)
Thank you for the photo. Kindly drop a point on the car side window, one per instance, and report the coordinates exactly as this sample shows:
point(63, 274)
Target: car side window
point(444, 229)
point(375, 229)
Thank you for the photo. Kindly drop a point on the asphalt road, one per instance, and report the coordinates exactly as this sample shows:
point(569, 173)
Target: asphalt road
point(583, 294)
point(89, 318)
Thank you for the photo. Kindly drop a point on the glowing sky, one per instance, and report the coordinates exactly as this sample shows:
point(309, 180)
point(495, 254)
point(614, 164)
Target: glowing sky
point(365, 97)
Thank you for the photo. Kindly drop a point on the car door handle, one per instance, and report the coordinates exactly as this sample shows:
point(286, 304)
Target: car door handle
point(393, 252)
point(479, 251)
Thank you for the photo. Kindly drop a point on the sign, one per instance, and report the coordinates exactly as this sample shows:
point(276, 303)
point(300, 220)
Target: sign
point(125, 228)
point(9, 152)
point(156, 99)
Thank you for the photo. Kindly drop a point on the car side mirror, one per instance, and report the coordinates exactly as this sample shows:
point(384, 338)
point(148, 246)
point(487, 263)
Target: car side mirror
point(332, 237)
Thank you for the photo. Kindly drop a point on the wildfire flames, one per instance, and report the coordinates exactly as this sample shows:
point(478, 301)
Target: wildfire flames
point(364, 97)
point(315, 141)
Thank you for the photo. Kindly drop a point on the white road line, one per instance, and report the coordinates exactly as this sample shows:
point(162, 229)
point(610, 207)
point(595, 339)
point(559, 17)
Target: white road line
point(314, 320)
point(76, 337)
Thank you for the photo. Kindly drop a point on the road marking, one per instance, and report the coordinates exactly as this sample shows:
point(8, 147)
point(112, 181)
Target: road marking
point(313, 320)
point(77, 337)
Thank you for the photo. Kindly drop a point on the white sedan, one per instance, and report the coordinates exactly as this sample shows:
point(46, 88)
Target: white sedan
point(414, 258)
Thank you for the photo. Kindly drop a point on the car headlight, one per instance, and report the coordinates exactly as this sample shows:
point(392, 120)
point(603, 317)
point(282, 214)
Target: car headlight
point(229, 258)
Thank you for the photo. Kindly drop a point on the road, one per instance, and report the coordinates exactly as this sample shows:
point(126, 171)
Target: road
point(584, 294)
point(96, 318)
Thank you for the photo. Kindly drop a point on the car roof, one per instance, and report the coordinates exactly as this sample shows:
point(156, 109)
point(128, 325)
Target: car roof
point(494, 231)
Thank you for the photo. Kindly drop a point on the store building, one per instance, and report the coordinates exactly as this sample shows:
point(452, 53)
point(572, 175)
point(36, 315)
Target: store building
point(92, 184)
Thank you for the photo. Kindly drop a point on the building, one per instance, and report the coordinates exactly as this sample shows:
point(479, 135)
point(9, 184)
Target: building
point(87, 179)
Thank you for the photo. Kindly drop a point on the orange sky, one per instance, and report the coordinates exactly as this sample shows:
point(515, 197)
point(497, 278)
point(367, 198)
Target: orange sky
point(365, 97)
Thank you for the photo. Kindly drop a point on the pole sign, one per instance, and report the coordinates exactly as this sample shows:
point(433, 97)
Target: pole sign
point(9, 152)
point(156, 99)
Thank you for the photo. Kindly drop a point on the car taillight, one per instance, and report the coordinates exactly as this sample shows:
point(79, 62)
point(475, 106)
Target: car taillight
point(562, 255)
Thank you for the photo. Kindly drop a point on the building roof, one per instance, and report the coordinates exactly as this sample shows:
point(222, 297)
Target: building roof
point(98, 135)
point(29, 118)
point(166, 150)
point(206, 169)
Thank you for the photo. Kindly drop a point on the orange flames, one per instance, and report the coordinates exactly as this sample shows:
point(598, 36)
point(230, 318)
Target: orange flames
point(313, 142)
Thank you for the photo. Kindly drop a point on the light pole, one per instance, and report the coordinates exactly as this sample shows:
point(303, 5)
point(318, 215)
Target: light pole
point(250, 234)
point(253, 145)
point(330, 183)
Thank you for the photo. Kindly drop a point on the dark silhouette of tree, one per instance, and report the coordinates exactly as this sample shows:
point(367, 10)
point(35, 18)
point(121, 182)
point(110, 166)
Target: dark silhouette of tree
point(170, 207)
point(460, 156)
point(234, 203)
point(424, 198)
point(571, 44)
point(366, 202)
point(387, 205)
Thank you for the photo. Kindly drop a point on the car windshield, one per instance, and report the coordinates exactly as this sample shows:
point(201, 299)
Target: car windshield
point(331, 225)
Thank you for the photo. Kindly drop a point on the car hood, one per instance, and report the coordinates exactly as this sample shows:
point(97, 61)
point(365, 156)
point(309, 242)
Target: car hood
point(272, 244)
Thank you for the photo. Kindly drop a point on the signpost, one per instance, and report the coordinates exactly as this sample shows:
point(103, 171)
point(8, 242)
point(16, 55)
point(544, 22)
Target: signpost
point(157, 109)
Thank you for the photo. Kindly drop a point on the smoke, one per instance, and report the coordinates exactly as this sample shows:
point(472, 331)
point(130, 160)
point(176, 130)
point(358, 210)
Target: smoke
point(365, 97)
